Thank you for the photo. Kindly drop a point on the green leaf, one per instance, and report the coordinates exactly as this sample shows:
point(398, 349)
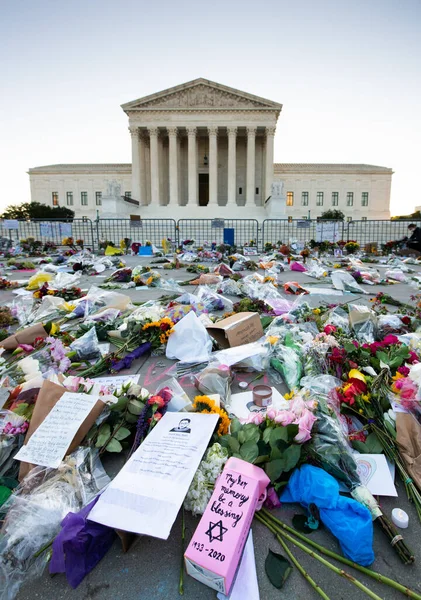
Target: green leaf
point(373, 445)
point(131, 418)
point(292, 456)
point(21, 409)
point(121, 433)
point(5, 493)
point(235, 426)
point(230, 442)
point(114, 446)
point(121, 404)
point(277, 568)
point(251, 432)
point(241, 436)
point(360, 446)
point(292, 431)
point(266, 434)
point(275, 468)
point(383, 357)
point(135, 407)
point(276, 434)
point(249, 451)
point(350, 348)
point(103, 435)
point(262, 458)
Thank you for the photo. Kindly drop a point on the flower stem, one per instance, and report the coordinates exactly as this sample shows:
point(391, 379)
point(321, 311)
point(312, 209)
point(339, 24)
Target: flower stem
point(329, 565)
point(183, 535)
point(292, 557)
point(373, 574)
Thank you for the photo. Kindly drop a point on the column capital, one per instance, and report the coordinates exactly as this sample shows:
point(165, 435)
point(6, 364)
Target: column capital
point(191, 131)
point(153, 130)
point(213, 130)
point(134, 131)
point(232, 130)
point(172, 131)
point(251, 130)
point(270, 130)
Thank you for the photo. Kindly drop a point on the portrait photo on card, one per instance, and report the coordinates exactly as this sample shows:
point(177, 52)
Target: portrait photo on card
point(182, 427)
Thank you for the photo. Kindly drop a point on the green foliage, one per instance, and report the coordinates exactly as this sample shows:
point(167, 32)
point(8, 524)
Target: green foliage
point(270, 446)
point(333, 215)
point(277, 568)
point(36, 210)
point(370, 446)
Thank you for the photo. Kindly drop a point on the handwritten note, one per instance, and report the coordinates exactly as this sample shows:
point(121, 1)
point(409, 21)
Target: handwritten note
point(147, 493)
point(48, 444)
point(46, 229)
point(116, 382)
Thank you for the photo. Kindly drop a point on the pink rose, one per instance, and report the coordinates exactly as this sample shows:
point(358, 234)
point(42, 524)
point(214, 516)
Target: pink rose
point(390, 340)
point(413, 358)
point(302, 437)
point(271, 414)
point(285, 417)
point(256, 418)
point(297, 405)
point(272, 500)
point(408, 390)
point(307, 420)
point(329, 329)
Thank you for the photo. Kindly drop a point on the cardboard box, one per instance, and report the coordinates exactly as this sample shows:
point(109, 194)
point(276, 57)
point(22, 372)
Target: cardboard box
point(215, 550)
point(242, 328)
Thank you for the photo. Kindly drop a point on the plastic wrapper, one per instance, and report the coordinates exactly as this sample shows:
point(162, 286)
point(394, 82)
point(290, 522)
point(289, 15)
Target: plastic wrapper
point(189, 342)
point(338, 317)
point(223, 269)
point(287, 362)
point(215, 379)
point(345, 282)
point(251, 357)
point(231, 288)
point(396, 275)
point(178, 311)
point(389, 324)
point(37, 281)
point(364, 323)
point(207, 279)
point(22, 308)
point(279, 305)
point(169, 284)
point(35, 511)
point(214, 301)
point(87, 346)
point(66, 280)
point(149, 310)
point(179, 399)
point(294, 288)
point(315, 269)
point(297, 266)
point(48, 310)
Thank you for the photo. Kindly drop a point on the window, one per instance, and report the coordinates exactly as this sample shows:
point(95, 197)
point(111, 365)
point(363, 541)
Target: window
point(349, 219)
point(240, 191)
point(319, 199)
point(364, 218)
point(257, 191)
point(69, 198)
point(128, 194)
point(84, 198)
point(304, 198)
point(55, 198)
point(290, 198)
point(364, 199)
point(98, 198)
point(350, 199)
point(335, 198)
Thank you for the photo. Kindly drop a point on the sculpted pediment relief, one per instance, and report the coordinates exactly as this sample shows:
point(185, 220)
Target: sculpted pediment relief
point(201, 96)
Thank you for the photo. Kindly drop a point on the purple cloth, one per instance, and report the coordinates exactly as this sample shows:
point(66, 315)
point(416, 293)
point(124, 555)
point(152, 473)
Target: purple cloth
point(296, 266)
point(126, 362)
point(80, 545)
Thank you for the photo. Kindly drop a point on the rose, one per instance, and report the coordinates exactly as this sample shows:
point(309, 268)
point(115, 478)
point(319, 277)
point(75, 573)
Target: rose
point(272, 500)
point(285, 417)
point(329, 329)
point(271, 414)
point(390, 340)
point(413, 358)
point(406, 320)
point(164, 326)
point(403, 371)
point(255, 418)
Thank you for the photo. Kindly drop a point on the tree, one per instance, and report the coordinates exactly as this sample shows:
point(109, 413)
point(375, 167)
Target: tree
point(333, 215)
point(36, 210)
point(416, 216)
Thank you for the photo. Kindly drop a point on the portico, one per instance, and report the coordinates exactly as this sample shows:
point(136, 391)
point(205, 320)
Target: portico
point(201, 145)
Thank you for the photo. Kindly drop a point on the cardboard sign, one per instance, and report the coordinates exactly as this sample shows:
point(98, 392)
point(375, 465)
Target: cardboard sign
point(216, 547)
point(242, 328)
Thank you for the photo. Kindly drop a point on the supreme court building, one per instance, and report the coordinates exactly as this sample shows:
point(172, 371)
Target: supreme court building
point(205, 150)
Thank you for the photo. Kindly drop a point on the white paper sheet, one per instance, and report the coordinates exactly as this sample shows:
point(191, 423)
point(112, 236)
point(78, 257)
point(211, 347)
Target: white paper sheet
point(147, 493)
point(48, 444)
point(117, 381)
point(376, 473)
point(245, 585)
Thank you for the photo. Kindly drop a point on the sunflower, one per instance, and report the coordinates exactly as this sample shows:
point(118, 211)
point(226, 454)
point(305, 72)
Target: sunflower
point(203, 404)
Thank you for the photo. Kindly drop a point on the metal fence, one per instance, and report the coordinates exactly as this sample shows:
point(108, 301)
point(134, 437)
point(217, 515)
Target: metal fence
point(53, 230)
point(140, 230)
point(237, 231)
point(377, 232)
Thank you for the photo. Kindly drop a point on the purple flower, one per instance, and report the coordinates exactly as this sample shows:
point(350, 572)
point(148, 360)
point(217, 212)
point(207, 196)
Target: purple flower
point(126, 362)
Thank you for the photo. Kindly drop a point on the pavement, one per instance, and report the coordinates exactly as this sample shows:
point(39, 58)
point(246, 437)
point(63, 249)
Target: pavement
point(150, 570)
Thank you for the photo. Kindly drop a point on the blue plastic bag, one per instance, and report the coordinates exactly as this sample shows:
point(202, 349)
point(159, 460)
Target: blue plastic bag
point(348, 520)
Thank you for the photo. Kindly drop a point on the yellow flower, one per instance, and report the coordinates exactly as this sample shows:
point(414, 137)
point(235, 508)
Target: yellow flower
point(272, 339)
point(55, 328)
point(67, 306)
point(356, 374)
point(204, 404)
point(316, 311)
point(366, 398)
point(361, 411)
point(289, 395)
point(397, 376)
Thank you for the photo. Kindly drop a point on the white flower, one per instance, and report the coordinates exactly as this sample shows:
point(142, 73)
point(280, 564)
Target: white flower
point(204, 479)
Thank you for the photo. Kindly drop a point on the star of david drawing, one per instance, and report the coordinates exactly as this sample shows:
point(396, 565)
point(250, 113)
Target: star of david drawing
point(219, 528)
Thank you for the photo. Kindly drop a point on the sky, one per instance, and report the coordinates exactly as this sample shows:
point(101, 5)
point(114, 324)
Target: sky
point(347, 73)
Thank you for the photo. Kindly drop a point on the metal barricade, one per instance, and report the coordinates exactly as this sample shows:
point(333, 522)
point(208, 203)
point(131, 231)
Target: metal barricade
point(284, 231)
point(378, 232)
point(136, 230)
point(207, 231)
point(49, 230)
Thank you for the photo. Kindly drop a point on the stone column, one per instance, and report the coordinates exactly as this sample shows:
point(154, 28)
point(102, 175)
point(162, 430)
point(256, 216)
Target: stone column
point(173, 165)
point(213, 165)
point(153, 133)
point(251, 165)
point(232, 165)
point(193, 196)
point(136, 193)
point(270, 135)
point(142, 170)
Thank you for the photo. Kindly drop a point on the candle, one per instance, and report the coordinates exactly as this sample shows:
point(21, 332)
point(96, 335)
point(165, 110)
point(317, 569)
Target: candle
point(243, 385)
point(400, 518)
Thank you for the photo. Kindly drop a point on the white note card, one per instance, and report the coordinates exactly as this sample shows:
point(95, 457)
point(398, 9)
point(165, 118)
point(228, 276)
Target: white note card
point(147, 493)
point(48, 444)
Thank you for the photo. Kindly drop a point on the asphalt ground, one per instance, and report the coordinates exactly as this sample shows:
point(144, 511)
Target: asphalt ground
point(150, 570)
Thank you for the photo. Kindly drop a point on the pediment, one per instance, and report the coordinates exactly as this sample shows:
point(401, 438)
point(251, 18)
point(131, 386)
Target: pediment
point(201, 94)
